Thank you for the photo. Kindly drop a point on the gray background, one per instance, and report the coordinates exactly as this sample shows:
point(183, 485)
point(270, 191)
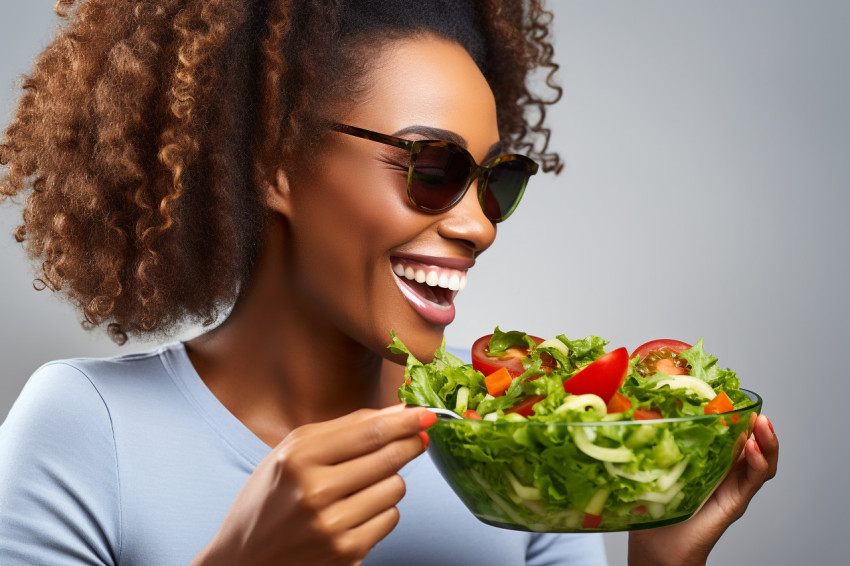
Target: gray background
point(705, 192)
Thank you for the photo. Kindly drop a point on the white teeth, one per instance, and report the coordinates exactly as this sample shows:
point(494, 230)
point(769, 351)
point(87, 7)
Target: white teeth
point(454, 281)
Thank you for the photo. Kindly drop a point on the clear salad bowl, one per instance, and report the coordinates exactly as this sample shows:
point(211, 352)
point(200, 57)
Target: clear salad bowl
point(589, 476)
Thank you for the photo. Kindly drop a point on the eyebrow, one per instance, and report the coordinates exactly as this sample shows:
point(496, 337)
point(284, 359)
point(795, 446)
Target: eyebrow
point(432, 133)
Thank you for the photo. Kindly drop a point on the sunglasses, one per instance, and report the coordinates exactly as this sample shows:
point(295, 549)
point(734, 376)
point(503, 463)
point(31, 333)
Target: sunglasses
point(441, 172)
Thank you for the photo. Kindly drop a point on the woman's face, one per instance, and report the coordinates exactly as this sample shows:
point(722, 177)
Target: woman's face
point(352, 228)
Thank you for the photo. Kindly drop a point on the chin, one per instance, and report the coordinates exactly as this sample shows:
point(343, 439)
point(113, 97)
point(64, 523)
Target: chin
point(422, 342)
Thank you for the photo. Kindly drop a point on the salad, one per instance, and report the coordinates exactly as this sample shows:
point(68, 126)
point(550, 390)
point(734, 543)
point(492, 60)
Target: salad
point(560, 435)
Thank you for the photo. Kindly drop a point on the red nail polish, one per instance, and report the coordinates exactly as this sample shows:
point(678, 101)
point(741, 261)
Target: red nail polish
point(427, 419)
point(425, 440)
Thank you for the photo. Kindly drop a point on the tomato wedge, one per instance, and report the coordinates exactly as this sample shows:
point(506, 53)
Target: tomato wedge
point(591, 521)
point(602, 377)
point(511, 361)
point(524, 407)
point(647, 414)
point(619, 403)
point(659, 356)
point(653, 345)
point(471, 414)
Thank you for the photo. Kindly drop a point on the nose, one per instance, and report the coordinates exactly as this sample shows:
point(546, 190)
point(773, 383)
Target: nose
point(466, 222)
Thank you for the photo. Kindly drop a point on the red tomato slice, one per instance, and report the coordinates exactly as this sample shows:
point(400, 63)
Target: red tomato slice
point(591, 521)
point(511, 361)
point(603, 377)
point(619, 403)
point(471, 414)
point(524, 407)
point(647, 414)
point(671, 345)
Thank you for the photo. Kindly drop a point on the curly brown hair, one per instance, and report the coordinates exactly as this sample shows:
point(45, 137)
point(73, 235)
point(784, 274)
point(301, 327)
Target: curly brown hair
point(147, 128)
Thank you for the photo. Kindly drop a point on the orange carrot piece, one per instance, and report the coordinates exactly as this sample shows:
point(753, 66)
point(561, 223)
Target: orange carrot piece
point(720, 404)
point(498, 382)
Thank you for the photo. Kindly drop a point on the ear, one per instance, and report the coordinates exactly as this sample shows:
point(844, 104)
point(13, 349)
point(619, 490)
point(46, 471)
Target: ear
point(278, 194)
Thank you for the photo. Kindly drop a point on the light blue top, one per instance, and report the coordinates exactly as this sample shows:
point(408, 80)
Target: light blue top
point(131, 460)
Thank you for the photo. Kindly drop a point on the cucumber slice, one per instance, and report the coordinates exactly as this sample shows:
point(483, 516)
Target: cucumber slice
point(530, 493)
point(556, 344)
point(655, 510)
point(597, 502)
point(668, 479)
point(694, 384)
point(462, 400)
point(641, 476)
point(583, 443)
point(512, 417)
point(586, 402)
point(663, 496)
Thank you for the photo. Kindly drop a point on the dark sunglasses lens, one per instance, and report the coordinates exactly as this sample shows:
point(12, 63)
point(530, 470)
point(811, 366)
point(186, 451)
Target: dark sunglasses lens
point(504, 189)
point(439, 176)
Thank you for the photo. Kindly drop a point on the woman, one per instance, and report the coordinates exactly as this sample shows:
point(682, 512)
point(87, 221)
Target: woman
point(188, 156)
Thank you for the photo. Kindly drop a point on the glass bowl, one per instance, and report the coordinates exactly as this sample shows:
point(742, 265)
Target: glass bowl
point(589, 476)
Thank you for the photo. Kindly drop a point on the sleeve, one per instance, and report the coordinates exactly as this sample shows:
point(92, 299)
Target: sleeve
point(59, 496)
point(551, 549)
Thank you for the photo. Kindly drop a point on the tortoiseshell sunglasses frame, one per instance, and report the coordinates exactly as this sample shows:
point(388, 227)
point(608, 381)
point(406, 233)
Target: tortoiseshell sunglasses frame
point(476, 170)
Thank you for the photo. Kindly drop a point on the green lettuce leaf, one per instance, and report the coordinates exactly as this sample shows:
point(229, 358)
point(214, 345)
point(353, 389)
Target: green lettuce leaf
point(500, 342)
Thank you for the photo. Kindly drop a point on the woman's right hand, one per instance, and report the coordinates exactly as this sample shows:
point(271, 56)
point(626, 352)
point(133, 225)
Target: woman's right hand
point(325, 495)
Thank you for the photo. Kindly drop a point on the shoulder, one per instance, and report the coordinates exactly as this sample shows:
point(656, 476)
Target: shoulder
point(57, 397)
point(66, 405)
point(75, 390)
point(59, 480)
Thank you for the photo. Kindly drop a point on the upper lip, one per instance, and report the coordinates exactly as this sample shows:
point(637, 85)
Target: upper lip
point(449, 262)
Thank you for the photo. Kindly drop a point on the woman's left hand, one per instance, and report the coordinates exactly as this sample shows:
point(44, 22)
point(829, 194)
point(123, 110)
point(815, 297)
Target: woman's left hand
point(689, 543)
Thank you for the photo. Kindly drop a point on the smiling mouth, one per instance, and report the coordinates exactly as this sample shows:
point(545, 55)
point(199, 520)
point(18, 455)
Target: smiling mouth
point(433, 284)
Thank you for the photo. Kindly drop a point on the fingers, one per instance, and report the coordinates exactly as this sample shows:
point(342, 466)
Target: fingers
point(372, 468)
point(768, 444)
point(365, 504)
point(762, 454)
point(360, 540)
point(347, 438)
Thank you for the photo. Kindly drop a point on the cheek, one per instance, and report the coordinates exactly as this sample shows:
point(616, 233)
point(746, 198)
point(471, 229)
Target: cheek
point(354, 213)
point(344, 223)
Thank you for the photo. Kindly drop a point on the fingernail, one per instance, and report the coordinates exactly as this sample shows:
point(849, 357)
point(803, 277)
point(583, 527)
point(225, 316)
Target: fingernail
point(427, 419)
point(756, 446)
point(394, 408)
point(425, 440)
point(770, 424)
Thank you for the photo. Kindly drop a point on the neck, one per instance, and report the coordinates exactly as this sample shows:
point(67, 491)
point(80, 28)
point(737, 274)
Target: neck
point(277, 363)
